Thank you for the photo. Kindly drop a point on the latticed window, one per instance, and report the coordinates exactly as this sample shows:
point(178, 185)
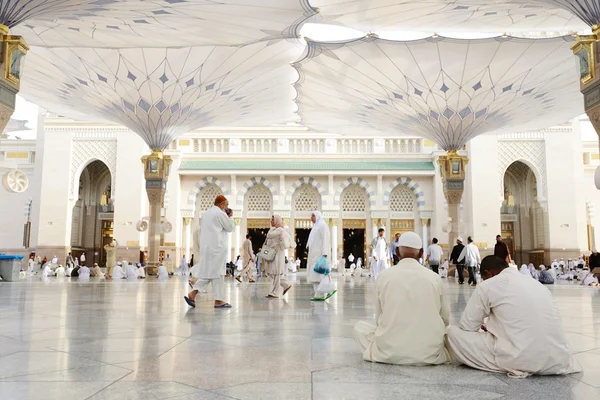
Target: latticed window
point(307, 198)
point(206, 197)
point(354, 198)
point(402, 199)
point(259, 198)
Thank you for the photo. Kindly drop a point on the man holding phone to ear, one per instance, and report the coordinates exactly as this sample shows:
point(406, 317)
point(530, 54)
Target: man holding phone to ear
point(215, 224)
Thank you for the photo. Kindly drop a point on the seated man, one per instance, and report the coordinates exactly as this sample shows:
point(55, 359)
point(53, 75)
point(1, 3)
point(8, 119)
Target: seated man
point(412, 313)
point(524, 333)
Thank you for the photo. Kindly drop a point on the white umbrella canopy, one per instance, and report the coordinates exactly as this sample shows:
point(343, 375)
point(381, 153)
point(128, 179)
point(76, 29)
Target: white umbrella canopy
point(160, 93)
point(587, 10)
point(156, 23)
point(431, 16)
point(446, 90)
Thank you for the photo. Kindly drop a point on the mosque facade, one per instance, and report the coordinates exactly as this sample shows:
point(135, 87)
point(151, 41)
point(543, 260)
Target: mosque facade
point(86, 188)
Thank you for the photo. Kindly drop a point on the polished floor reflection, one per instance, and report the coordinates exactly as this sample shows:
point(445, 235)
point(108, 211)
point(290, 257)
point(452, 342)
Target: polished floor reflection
point(139, 340)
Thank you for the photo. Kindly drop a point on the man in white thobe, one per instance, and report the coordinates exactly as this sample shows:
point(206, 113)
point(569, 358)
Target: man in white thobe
point(82, 259)
point(30, 265)
point(523, 334)
point(411, 312)
point(471, 258)
point(131, 271)
point(163, 273)
point(84, 272)
point(379, 250)
point(215, 224)
point(54, 260)
point(118, 272)
point(184, 266)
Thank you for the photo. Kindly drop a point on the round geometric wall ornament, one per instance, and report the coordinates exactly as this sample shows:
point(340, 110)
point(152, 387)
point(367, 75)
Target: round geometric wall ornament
point(15, 181)
point(141, 226)
point(166, 227)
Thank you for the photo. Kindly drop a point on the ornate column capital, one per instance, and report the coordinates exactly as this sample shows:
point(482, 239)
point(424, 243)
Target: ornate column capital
point(187, 220)
point(237, 221)
point(425, 222)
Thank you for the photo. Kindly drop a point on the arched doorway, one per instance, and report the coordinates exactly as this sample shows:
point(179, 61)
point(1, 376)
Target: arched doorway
point(355, 207)
point(258, 209)
point(522, 217)
point(93, 214)
point(403, 210)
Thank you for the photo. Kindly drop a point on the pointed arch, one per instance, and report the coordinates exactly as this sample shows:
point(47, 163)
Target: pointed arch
point(412, 185)
point(358, 181)
point(256, 181)
point(309, 181)
point(193, 194)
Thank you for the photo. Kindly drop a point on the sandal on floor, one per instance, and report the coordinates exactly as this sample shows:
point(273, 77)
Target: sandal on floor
point(189, 301)
point(252, 281)
point(330, 294)
point(286, 290)
point(270, 296)
point(317, 299)
point(226, 305)
point(237, 278)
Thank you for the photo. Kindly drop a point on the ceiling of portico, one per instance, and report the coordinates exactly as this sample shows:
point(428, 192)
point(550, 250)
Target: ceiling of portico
point(164, 67)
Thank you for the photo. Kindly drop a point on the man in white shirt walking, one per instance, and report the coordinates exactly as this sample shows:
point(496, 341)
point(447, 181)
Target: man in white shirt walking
point(379, 251)
point(471, 258)
point(411, 312)
point(523, 334)
point(434, 255)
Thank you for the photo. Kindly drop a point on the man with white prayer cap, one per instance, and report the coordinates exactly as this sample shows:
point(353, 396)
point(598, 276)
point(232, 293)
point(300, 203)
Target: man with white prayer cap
point(141, 271)
point(411, 312)
point(131, 271)
point(118, 272)
point(47, 271)
point(60, 271)
point(163, 273)
point(523, 334)
point(96, 272)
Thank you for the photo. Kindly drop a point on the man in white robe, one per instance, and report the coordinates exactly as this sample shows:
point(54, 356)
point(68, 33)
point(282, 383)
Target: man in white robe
point(82, 259)
point(131, 271)
point(523, 334)
point(118, 272)
point(163, 272)
point(84, 272)
point(141, 271)
point(47, 271)
point(434, 256)
point(411, 312)
point(60, 272)
point(54, 261)
point(30, 265)
point(184, 266)
point(379, 250)
point(69, 270)
point(216, 223)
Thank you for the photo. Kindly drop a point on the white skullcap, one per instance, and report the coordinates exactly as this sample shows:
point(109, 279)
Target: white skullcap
point(119, 263)
point(459, 239)
point(410, 239)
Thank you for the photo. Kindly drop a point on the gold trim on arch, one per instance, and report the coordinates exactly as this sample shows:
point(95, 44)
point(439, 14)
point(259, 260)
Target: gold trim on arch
point(258, 223)
point(354, 224)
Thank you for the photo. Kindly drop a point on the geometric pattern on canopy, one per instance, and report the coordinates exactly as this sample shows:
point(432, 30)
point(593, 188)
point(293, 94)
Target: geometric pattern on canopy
point(160, 93)
point(587, 10)
point(446, 90)
point(156, 23)
point(450, 15)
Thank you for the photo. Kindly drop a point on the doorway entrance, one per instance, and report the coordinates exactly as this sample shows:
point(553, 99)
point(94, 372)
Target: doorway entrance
point(354, 242)
point(258, 237)
point(508, 237)
point(301, 241)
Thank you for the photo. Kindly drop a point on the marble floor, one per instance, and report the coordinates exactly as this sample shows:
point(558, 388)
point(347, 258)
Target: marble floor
point(139, 340)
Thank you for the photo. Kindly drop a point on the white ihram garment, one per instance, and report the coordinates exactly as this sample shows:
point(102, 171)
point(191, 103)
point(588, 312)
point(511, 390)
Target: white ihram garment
point(524, 329)
point(411, 317)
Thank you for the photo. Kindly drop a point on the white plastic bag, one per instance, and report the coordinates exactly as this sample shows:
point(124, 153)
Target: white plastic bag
point(326, 285)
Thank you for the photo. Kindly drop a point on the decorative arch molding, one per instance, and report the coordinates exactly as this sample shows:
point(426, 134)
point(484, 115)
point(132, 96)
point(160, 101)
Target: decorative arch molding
point(204, 182)
point(358, 181)
point(309, 181)
point(531, 153)
point(257, 180)
point(412, 185)
point(80, 161)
